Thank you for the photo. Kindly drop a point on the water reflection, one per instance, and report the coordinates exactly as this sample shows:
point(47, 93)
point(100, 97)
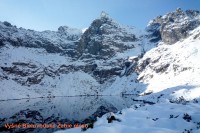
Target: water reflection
point(69, 110)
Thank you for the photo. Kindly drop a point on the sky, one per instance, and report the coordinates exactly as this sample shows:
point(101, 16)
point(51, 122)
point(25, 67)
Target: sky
point(50, 14)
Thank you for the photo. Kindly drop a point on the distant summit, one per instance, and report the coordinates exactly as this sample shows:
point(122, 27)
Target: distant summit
point(104, 14)
point(105, 37)
point(173, 26)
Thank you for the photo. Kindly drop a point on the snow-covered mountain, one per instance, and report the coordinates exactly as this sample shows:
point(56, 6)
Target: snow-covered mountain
point(173, 26)
point(66, 62)
point(107, 59)
point(61, 41)
point(160, 64)
point(69, 62)
point(166, 75)
point(105, 37)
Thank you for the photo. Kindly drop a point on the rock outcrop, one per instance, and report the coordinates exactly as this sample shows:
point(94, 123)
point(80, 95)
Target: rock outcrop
point(173, 26)
point(104, 38)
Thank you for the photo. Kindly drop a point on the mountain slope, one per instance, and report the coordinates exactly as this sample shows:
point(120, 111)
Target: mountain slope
point(166, 76)
point(165, 68)
point(170, 69)
point(173, 26)
point(104, 38)
point(107, 59)
point(63, 62)
point(61, 41)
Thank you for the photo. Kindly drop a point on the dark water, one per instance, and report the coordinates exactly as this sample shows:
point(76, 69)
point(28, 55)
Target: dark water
point(63, 110)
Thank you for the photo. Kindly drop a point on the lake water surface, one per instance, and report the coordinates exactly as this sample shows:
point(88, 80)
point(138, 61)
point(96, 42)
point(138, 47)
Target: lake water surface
point(68, 110)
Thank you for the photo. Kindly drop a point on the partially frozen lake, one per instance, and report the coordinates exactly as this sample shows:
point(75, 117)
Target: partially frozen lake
point(70, 110)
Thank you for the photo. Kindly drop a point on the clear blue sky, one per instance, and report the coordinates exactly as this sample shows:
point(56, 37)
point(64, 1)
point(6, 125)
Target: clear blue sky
point(50, 14)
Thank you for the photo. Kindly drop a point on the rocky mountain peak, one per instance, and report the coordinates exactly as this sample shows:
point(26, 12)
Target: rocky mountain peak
point(72, 34)
point(104, 15)
point(68, 30)
point(60, 41)
point(7, 24)
point(105, 37)
point(179, 10)
point(173, 26)
point(102, 25)
point(63, 29)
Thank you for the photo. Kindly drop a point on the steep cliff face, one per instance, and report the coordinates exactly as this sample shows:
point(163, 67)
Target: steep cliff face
point(174, 65)
point(173, 26)
point(61, 41)
point(104, 38)
point(166, 69)
point(160, 65)
point(108, 58)
point(64, 62)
